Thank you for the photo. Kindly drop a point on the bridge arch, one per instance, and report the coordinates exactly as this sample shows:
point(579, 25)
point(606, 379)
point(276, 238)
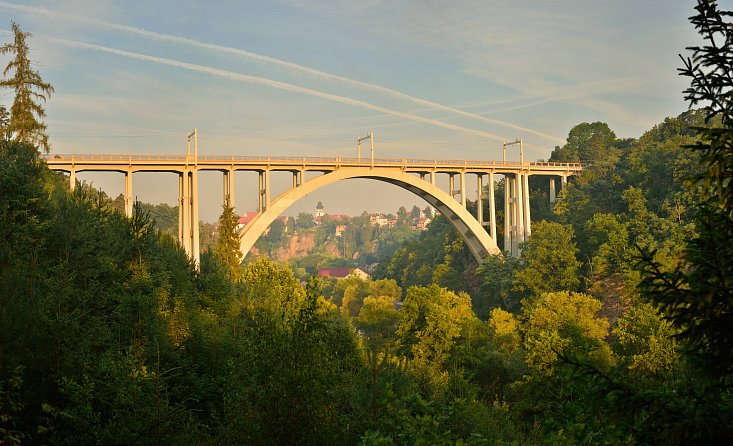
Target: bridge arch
point(476, 238)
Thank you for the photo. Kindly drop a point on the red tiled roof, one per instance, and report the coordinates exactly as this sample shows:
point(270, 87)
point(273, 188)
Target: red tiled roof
point(338, 273)
point(246, 218)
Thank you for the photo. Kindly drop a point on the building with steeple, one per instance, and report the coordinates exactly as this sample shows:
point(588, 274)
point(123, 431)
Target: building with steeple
point(319, 210)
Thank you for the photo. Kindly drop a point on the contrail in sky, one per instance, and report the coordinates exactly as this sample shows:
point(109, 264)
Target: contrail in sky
point(280, 62)
point(276, 84)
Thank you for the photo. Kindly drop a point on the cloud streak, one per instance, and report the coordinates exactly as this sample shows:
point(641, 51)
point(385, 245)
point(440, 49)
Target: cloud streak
point(282, 63)
point(257, 80)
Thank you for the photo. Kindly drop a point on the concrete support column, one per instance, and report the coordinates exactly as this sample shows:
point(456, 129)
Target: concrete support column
point(181, 212)
point(463, 189)
point(260, 193)
point(295, 180)
point(128, 194)
point(564, 182)
point(553, 194)
point(451, 185)
point(267, 189)
point(432, 178)
point(527, 218)
point(492, 207)
point(479, 199)
point(195, 254)
point(186, 202)
point(228, 188)
point(508, 211)
point(72, 180)
point(519, 208)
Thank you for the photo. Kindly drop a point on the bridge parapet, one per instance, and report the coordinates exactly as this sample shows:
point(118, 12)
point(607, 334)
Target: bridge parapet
point(255, 162)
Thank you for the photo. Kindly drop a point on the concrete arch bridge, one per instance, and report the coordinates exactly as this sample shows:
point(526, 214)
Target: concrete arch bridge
point(415, 175)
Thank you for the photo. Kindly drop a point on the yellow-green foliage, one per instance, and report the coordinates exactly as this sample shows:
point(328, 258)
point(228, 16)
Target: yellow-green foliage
point(645, 342)
point(564, 323)
point(504, 329)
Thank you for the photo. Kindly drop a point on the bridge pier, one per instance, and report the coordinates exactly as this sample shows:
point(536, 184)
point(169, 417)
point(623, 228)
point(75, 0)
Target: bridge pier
point(525, 196)
point(462, 176)
point(264, 194)
point(128, 194)
point(188, 214)
point(508, 214)
point(72, 180)
point(553, 195)
point(519, 213)
point(492, 207)
point(479, 199)
point(228, 188)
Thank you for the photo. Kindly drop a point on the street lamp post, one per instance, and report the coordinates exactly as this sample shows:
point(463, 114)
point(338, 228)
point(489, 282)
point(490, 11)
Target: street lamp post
point(521, 150)
point(195, 136)
point(370, 137)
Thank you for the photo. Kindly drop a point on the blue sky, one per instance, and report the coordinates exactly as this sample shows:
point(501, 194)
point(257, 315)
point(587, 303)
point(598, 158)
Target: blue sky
point(431, 79)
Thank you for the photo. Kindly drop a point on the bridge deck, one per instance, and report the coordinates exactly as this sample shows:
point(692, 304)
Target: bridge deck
point(177, 163)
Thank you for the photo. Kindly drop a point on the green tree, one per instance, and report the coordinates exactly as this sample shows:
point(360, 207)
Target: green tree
point(696, 294)
point(305, 221)
point(227, 244)
point(431, 325)
point(415, 213)
point(26, 113)
point(377, 320)
point(548, 261)
point(277, 231)
point(497, 283)
point(645, 342)
point(4, 121)
point(565, 324)
point(402, 216)
point(586, 143)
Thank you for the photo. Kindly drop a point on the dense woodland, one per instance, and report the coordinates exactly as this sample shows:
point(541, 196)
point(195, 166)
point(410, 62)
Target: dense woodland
point(614, 327)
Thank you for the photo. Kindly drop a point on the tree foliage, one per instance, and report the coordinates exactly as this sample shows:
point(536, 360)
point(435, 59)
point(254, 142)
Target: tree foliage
point(26, 112)
point(226, 248)
point(696, 295)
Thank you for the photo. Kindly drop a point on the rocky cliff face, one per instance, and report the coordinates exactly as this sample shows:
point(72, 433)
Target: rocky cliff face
point(299, 245)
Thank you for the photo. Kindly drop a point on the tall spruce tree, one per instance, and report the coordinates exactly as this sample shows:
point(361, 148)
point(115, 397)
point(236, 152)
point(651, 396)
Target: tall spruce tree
point(226, 248)
point(26, 113)
point(4, 116)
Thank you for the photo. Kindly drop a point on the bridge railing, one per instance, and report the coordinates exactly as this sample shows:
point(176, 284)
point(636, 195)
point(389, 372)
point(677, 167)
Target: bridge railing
point(129, 158)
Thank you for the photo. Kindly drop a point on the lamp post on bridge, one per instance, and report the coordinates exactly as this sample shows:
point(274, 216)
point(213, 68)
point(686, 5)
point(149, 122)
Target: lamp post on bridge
point(370, 137)
point(195, 136)
point(521, 150)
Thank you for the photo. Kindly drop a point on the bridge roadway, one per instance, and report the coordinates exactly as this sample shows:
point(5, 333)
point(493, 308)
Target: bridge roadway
point(415, 175)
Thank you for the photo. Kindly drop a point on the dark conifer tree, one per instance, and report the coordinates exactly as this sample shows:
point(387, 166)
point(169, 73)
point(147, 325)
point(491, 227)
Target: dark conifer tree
point(26, 113)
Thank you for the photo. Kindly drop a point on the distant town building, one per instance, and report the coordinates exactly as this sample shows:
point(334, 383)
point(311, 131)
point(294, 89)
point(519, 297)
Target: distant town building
point(244, 219)
point(340, 230)
point(378, 220)
point(319, 210)
point(421, 224)
point(342, 272)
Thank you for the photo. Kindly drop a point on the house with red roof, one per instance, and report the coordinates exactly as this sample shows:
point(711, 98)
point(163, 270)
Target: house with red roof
point(342, 272)
point(244, 219)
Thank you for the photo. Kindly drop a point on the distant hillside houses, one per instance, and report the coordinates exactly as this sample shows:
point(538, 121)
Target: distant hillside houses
point(321, 214)
point(343, 272)
point(249, 216)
